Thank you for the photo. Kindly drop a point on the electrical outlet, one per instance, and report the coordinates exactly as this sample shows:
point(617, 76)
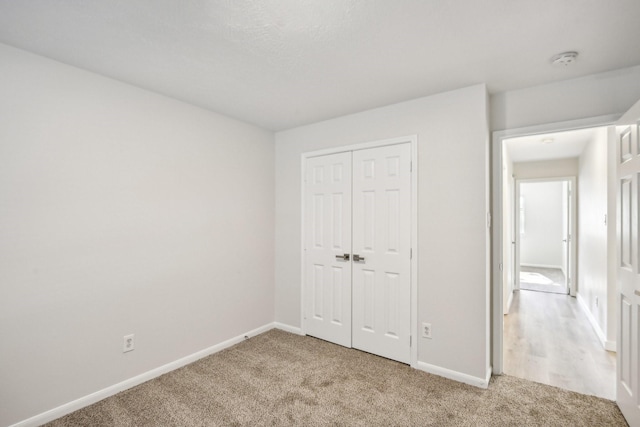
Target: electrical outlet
point(426, 330)
point(128, 343)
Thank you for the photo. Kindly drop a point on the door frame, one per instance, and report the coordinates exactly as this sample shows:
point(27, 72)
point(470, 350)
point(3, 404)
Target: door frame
point(572, 217)
point(413, 140)
point(498, 137)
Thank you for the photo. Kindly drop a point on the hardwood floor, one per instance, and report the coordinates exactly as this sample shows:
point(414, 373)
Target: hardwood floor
point(548, 339)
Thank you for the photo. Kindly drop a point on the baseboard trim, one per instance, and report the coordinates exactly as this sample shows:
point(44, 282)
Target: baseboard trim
point(288, 328)
point(610, 346)
point(509, 301)
point(559, 267)
point(455, 375)
point(97, 396)
point(607, 345)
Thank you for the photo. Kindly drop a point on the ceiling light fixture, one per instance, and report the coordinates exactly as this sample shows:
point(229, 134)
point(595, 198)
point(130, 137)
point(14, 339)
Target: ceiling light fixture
point(547, 140)
point(564, 58)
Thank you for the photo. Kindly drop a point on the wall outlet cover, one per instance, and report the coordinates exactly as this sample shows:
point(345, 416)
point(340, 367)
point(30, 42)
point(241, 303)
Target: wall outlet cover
point(426, 330)
point(128, 343)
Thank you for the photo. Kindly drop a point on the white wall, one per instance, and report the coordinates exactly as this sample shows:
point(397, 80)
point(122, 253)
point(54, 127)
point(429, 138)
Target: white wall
point(593, 231)
point(557, 168)
point(541, 244)
point(613, 92)
point(121, 211)
point(452, 134)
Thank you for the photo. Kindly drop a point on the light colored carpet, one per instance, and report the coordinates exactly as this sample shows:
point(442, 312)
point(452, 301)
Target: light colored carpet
point(279, 378)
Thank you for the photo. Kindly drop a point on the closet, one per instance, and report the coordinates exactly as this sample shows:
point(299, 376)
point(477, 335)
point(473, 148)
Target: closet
point(357, 249)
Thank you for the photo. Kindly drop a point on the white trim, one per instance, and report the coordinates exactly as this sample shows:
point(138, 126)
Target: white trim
point(97, 396)
point(509, 302)
point(455, 375)
point(557, 267)
point(496, 191)
point(413, 140)
point(288, 328)
point(592, 122)
point(607, 345)
point(361, 146)
point(303, 189)
point(414, 249)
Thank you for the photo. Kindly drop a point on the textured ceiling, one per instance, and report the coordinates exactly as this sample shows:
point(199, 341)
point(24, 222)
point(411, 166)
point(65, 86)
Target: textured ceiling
point(284, 63)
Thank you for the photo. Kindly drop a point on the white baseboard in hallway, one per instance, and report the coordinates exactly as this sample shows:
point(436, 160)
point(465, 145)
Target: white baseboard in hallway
point(607, 345)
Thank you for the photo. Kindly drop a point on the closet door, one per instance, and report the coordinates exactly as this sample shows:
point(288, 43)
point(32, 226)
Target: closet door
point(381, 251)
point(327, 287)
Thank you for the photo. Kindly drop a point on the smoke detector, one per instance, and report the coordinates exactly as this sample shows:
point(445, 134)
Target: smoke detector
point(564, 58)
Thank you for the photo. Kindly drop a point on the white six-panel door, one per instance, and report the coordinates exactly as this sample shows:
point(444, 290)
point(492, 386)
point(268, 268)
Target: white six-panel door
point(382, 241)
point(364, 301)
point(327, 240)
point(628, 357)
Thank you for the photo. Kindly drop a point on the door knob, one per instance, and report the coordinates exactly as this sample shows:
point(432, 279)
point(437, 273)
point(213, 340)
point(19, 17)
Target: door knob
point(344, 257)
point(357, 258)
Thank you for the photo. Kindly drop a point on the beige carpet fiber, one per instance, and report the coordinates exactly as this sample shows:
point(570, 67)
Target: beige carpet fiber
point(279, 378)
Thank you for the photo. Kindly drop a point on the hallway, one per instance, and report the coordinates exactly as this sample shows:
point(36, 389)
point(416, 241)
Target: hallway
point(548, 339)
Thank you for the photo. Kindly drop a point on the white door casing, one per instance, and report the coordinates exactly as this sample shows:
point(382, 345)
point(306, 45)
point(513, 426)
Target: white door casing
point(516, 235)
point(498, 140)
point(327, 238)
point(381, 238)
point(513, 266)
point(382, 298)
point(565, 231)
point(628, 340)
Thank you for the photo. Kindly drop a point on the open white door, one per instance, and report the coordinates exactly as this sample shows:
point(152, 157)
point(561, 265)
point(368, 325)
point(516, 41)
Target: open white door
point(328, 248)
point(628, 171)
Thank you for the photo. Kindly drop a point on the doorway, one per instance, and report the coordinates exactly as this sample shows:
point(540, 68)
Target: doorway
point(544, 224)
point(359, 234)
point(536, 325)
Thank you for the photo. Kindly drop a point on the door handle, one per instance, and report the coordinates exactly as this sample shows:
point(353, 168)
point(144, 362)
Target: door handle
point(344, 257)
point(357, 258)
